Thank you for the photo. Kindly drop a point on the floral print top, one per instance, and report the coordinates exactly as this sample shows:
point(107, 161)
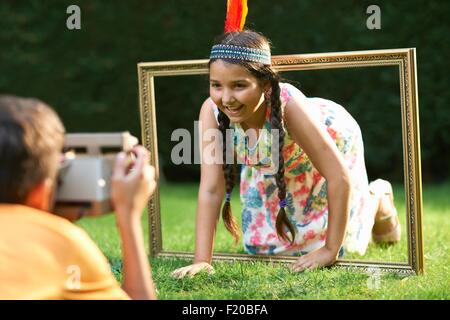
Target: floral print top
point(306, 200)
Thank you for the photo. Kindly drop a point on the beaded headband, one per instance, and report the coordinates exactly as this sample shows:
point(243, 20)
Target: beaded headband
point(226, 51)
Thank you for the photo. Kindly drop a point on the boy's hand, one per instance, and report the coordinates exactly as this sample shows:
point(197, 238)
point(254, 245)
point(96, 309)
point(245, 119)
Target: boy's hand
point(132, 184)
point(315, 259)
point(192, 270)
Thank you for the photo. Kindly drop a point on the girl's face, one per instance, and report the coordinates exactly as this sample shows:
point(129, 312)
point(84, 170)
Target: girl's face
point(235, 91)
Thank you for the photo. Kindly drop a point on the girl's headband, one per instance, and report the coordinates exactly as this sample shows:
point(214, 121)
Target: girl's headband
point(235, 21)
point(226, 51)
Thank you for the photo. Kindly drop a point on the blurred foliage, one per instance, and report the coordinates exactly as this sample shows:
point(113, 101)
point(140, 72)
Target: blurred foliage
point(89, 75)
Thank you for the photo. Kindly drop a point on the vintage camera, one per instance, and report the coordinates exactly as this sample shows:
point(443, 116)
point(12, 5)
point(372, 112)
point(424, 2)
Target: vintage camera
point(84, 177)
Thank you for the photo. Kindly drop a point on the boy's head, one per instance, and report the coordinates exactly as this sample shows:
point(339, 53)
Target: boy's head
point(31, 141)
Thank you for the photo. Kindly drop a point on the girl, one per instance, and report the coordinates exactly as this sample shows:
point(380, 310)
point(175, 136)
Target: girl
point(318, 201)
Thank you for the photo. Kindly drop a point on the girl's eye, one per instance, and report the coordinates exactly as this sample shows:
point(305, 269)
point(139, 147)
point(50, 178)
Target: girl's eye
point(215, 85)
point(240, 85)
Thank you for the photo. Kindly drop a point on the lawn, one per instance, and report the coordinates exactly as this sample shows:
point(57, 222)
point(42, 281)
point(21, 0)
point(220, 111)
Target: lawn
point(260, 280)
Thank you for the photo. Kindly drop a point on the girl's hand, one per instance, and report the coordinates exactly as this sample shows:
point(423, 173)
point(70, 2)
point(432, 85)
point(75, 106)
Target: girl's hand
point(315, 259)
point(192, 270)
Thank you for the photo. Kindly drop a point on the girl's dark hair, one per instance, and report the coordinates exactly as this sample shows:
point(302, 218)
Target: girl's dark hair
point(264, 74)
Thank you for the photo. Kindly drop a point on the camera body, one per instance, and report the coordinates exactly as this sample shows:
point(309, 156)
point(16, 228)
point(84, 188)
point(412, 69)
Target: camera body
point(84, 181)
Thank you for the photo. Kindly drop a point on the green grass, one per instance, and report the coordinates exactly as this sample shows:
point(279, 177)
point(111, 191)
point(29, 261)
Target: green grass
point(260, 280)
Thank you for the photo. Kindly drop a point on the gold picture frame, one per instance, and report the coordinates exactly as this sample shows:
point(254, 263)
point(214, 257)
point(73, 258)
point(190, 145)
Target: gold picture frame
point(405, 59)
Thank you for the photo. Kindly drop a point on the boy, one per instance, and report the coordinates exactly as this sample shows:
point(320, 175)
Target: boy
point(43, 256)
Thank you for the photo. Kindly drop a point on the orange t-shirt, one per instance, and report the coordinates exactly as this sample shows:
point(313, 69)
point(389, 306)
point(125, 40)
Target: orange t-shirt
point(43, 256)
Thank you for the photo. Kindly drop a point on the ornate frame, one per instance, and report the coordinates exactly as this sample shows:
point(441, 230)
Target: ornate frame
point(405, 59)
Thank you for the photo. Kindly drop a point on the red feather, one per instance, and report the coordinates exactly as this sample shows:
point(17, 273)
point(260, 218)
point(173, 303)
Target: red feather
point(236, 13)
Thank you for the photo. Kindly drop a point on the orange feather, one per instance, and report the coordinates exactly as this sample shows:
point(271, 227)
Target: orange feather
point(236, 14)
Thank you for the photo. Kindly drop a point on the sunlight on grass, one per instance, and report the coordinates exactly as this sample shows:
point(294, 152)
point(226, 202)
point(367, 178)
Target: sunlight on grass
point(258, 280)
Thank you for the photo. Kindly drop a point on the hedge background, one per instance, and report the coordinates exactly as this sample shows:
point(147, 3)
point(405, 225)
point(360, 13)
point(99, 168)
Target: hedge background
point(90, 77)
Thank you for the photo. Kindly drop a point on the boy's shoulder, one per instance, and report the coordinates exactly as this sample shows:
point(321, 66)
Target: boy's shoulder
point(40, 224)
point(57, 250)
point(17, 214)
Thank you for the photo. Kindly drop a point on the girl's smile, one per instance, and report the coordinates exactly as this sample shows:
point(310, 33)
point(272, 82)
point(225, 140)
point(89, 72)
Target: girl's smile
point(234, 111)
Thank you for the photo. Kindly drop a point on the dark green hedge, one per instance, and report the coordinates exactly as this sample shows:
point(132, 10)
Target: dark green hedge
point(90, 77)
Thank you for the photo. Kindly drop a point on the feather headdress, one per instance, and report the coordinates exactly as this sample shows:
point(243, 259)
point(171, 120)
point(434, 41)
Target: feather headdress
point(234, 22)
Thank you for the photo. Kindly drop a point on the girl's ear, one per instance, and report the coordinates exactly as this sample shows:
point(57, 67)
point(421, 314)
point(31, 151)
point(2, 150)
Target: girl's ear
point(267, 90)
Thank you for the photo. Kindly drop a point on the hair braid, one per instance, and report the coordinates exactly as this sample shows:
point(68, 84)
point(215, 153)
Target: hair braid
point(229, 171)
point(276, 123)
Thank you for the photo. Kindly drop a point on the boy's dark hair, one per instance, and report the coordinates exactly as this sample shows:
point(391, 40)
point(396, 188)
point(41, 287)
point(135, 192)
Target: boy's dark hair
point(264, 74)
point(31, 137)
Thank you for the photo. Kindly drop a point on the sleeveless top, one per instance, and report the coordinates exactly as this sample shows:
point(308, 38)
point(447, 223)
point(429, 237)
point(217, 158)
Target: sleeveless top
point(306, 196)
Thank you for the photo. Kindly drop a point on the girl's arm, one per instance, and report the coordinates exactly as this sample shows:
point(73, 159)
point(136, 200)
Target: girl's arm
point(212, 185)
point(325, 156)
point(210, 195)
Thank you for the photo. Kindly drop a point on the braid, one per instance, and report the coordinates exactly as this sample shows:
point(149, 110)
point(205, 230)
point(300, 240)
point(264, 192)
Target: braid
point(229, 171)
point(276, 123)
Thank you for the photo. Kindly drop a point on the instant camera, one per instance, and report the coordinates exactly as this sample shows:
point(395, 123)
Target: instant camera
point(84, 180)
